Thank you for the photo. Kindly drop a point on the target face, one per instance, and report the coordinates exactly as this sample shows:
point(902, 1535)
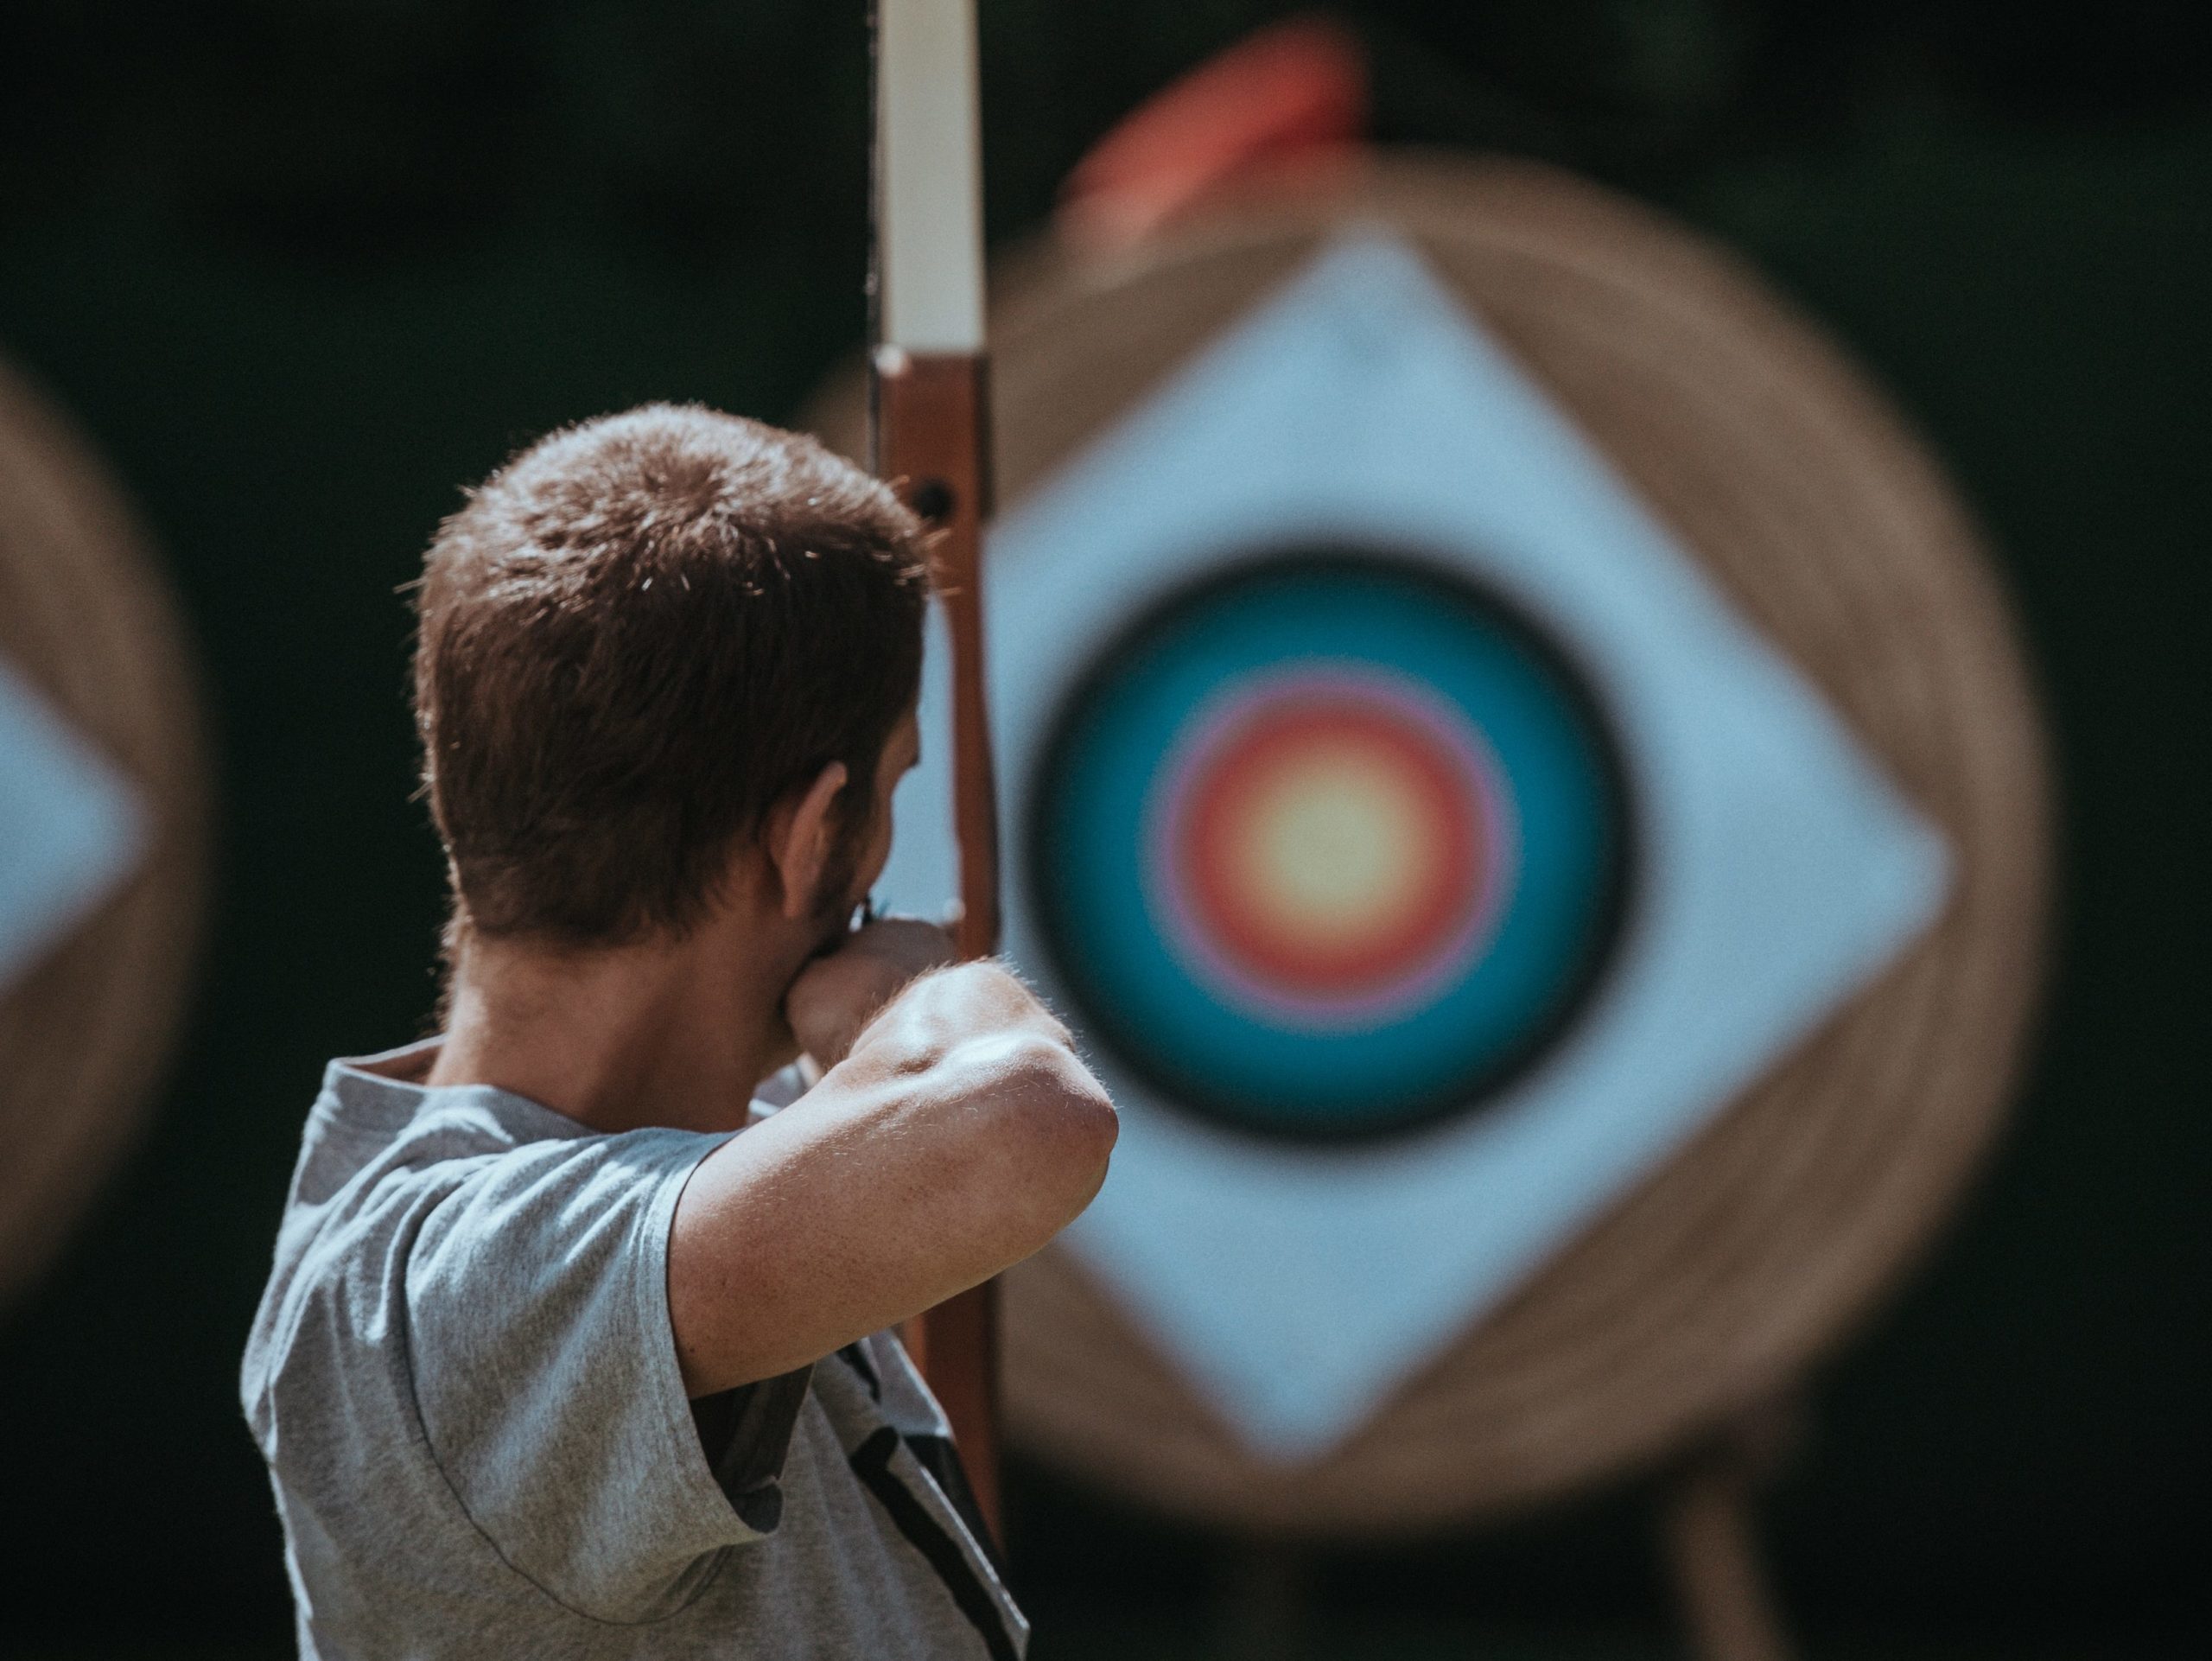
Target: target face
point(1328, 844)
point(1403, 955)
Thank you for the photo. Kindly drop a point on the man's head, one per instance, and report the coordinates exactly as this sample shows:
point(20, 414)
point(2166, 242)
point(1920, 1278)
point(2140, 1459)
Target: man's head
point(647, 643)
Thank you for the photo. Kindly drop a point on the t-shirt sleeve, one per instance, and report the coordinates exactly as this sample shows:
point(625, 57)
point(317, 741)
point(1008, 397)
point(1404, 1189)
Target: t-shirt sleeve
point(544, 1371)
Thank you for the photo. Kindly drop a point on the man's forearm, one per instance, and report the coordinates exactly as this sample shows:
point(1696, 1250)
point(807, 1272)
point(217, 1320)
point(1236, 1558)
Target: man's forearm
point(960, 1135)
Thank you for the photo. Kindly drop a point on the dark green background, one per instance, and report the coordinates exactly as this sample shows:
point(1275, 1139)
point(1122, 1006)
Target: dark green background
point(302, 268)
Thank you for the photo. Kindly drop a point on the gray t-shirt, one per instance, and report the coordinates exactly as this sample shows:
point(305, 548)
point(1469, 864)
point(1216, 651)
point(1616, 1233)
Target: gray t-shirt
point(463, 1378)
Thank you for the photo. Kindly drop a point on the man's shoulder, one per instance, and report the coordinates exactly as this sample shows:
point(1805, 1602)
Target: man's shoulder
point(377, 1155)
point(374, 1159)
point(430, 1220)
point(376, 1123)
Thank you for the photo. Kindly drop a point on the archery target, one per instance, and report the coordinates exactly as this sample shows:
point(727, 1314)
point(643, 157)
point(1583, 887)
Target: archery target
point(1328, 845)
point(1325, 850)
point(101, 809)
point(1780, 985)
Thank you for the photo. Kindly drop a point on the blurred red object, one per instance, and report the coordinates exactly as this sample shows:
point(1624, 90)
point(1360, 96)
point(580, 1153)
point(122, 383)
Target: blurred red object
point(1287, 103)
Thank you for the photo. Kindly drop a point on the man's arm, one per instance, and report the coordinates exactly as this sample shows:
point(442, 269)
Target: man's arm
point(959, 1135)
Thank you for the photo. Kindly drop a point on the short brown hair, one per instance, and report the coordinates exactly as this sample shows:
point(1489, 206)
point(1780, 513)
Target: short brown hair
point(631, 640)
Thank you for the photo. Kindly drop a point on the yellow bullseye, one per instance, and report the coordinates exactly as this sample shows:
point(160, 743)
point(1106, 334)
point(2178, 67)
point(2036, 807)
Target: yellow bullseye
point(1336, 846)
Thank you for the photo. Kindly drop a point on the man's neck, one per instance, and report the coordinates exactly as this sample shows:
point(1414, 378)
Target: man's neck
point(666, 1034)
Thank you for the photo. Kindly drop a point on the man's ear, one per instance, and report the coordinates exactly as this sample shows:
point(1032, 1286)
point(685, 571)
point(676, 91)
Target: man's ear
point(801, 833)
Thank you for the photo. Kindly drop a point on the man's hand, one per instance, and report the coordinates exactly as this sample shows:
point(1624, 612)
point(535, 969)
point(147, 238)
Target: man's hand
point(839, 993)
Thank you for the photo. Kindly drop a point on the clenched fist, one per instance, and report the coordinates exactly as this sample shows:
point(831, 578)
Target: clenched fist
point(839, 993)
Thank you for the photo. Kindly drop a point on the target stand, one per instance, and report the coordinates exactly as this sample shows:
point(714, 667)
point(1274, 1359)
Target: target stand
point(1519, 774)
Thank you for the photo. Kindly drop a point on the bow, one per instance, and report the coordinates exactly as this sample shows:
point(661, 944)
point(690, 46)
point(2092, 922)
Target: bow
point(930, 436)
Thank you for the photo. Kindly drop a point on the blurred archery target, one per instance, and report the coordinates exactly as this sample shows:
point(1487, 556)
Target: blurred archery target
point(101, 795)
point(1327, 844)
point(1516, 771)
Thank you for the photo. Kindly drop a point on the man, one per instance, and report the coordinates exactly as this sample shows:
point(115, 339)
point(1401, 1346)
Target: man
point(572, 1347)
